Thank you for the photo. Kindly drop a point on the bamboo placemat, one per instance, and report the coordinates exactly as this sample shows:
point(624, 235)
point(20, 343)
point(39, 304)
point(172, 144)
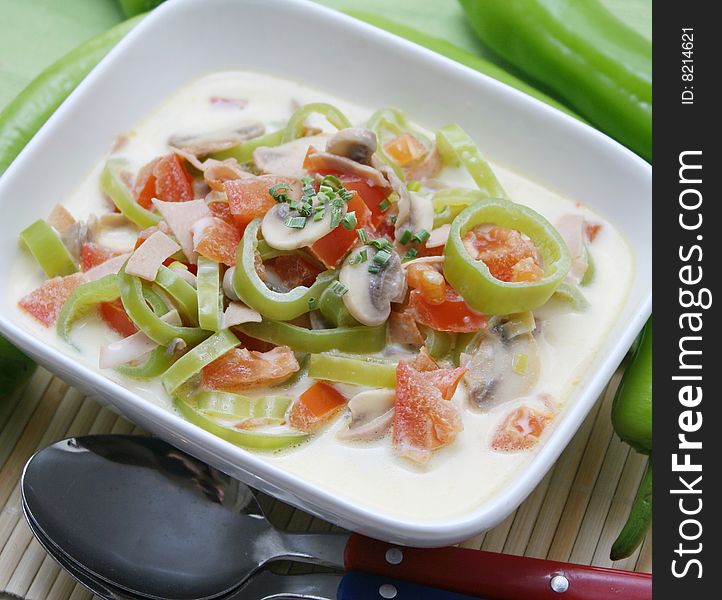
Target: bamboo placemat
point(573, 515)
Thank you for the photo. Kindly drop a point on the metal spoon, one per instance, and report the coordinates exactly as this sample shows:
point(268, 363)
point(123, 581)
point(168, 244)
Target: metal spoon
point(149, 519)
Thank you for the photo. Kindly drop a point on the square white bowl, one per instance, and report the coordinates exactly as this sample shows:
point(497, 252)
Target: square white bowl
point(185, 39)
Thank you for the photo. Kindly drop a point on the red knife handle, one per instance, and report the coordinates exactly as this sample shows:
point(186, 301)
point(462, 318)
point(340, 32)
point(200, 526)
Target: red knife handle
point(495, 576)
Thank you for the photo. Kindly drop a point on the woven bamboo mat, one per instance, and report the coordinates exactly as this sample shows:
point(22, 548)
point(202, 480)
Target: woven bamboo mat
point(573, 515)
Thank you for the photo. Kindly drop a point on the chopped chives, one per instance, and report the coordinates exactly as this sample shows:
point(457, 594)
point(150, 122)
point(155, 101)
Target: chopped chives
point(363, 255)
point(421, 236)
point(382, 257)
point(384, 205)
point(295, 222)
point(363, 236)
point(411, 254)
point(413, 185)
point(320, 212)
point(375, 269)
point(312, 304)
point(381, 244)
point(338, 288)
point(393, 219)
point(349, 221)
point(406, 237)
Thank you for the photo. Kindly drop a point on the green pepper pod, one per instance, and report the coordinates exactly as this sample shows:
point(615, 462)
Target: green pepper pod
point(48, 249)
point(22, 118)
point(240, 437)
point(632, 406)
point(581, 51)
point(357, 370)
point(279, 306)
point(131, 294)
point(16, 368)
point(84, 298)
point(114, 187)
point(638, 522)
point(193, 361)
point(345, 339)
point(456, 147)
point(472, 279)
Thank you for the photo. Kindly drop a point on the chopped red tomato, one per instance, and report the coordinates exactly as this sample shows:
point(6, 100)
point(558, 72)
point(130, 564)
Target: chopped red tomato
point(403, 328)
point(116, 318)
point(428, 280)
point(423, 420)
point(92, 255)
point(520, 429)
point(333, 247)
point(218, 241)
point(405, 149)
point(45, 302)
point(445, 380)
point(248, 198)
point(165, 178)
point(372, 195)
point(451, 315)
point(242, 369)
point(222, 210)
point(501, 249)
point(294, 270)
point(315, 407)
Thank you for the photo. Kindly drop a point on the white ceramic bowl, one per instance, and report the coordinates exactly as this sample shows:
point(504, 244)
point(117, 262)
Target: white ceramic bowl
point(184, 39)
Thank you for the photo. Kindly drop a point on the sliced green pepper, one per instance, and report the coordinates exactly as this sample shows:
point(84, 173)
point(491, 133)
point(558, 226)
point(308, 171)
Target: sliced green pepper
point(240, 437)
point(280, 306)
point(394, 121)
point(158, 362)
point(209, 294)
point(193, 361)
point(229, 405)
point(456, 147)
point(573, 295)
point(346, 339)
point(83, 299)
point(243, 153)
point(472, 279)
point(294, 128)
point(370, 372)
point(331, 306)
point(181, 292)
point(114, 187)
point(131, 294)
point(439, 343)
point(48, 249)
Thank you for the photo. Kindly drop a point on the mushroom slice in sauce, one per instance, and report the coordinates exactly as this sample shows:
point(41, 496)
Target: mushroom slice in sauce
point(286, 159)
point(353, 143)
point(501, 370)
point(372, 413)
point(200, 144)
point(282, 237)
point(416, 212)
point(369, 295)
point(321, 162)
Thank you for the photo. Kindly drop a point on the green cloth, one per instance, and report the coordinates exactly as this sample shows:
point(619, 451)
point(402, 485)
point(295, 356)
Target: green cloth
point(35, 33)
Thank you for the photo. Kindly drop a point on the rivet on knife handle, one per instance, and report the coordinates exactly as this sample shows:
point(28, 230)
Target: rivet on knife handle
point(494, 576)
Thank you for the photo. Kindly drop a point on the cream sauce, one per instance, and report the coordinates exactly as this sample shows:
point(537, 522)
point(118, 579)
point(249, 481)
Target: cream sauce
point(459, 477)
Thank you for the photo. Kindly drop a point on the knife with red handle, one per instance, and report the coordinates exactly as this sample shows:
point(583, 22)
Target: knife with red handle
point(495, 576)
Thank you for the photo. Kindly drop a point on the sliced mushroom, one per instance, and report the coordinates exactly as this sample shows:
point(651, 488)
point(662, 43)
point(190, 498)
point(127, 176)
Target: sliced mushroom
point(75, 236)
point(571, 228)
point(286, 159)
point(201, 144)
point(501, 370)
point(369, 295)
point(354, 143)
point(371, 412)
point(416, 212)
point(282, 237)
point(324, 162)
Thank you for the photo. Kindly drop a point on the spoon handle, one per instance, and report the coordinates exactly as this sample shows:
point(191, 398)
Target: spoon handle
point(494, 576)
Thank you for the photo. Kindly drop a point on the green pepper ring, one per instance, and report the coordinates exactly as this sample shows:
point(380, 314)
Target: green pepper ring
point(472, 279)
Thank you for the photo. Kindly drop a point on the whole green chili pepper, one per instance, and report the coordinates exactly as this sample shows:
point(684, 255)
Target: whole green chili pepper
point(632, 420)
point(21, 119)
point(131, 8)
point(594, 61)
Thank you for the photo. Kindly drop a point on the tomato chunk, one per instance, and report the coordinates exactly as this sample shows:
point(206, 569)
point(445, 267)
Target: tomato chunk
point(116, 318)
point(333, 247)
point(218, 241)
point(315, 407)
point(248, 198)
point(453, 314)
point(520, 429)
point(242, 369)
point(445, 380)
point(92, 255)
point(405, 149)
point(165, 178)
point(502, 249)
point(295, 271)
point(222, 210)
point(45, 302)
point(423, 420)
point(372, 195)
point(428, 280)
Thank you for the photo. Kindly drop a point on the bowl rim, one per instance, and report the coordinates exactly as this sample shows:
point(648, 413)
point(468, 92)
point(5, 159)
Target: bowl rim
point(254, 468)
